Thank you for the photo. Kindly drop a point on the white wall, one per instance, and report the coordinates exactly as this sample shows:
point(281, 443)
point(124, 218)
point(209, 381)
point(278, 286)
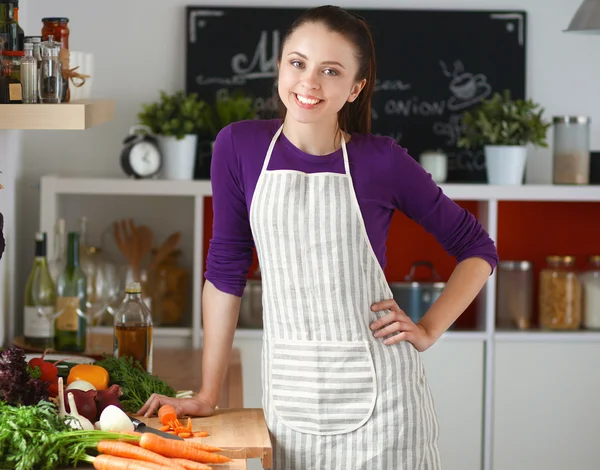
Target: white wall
point(138, 47)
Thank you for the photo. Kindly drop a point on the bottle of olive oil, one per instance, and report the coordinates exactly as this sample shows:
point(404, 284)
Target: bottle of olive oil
point(133, 328)
point(40, 300)
point(70, 326)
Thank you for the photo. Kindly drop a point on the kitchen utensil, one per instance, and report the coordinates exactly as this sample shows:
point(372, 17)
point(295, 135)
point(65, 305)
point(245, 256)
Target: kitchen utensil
point(140, 426)
point(415, 297)
point(165, 249)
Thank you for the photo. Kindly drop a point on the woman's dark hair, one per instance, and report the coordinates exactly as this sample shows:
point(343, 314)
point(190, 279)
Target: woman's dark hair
point(355, 116)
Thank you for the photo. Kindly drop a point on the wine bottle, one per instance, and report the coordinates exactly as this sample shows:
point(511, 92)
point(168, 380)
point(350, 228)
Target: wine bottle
point(71, 289)
point(40, 300)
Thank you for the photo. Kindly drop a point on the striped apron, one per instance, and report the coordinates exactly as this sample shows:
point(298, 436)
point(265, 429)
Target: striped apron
point(334, 396)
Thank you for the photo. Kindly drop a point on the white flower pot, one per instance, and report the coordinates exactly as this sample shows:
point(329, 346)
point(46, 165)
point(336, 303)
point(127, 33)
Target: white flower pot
point(505, 164)
point(179, 156)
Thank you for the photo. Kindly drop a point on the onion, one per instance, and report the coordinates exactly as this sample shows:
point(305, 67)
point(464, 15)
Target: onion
point(114, 419)
point(81, 385)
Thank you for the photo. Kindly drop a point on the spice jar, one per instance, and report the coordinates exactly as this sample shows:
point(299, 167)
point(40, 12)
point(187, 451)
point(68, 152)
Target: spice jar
point(13, 58)
point(590, 283)
point(58, 28)
point(560, 294)
point(515, 294)
point(571, 150)
point(50, 73)
point(168, 286)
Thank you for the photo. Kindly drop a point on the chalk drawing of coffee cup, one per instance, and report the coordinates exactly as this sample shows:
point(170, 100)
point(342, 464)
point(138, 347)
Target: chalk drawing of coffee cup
point(468, 89)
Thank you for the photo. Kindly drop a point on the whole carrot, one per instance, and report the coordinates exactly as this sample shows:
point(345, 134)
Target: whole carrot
point(179, 449)
point(110, 462)
point(197, 443)
point(128, 451)
point(190, 465)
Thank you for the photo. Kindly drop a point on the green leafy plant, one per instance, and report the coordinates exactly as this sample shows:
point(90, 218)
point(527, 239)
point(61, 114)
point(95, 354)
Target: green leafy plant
point(175, 115)
point(503, 121)
point(228, 108)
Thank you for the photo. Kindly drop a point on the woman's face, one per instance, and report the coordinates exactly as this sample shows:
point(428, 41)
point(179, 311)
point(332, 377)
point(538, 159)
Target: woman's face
point(317, 74)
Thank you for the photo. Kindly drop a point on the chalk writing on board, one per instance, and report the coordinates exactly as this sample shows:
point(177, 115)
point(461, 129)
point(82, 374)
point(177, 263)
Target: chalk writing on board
point(196, 20)
point(467, 89)
point(509, 25)
point(391, 85)
point(261, 65)
point(414, 107)
point(451, 129)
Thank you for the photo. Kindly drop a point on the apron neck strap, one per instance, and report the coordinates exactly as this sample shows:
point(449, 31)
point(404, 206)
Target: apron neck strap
point(278, 133)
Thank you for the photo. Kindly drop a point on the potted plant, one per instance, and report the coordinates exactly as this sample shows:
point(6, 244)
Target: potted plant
point(504, 127)
point(176, 120)
point(228, 108)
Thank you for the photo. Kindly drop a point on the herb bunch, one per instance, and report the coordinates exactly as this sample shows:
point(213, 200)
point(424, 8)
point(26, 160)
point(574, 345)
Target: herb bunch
point(136, 383)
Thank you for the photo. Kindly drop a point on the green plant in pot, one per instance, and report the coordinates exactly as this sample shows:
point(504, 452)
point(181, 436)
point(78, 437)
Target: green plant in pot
point(504, 127)
point(228, 108)
point(176, 119)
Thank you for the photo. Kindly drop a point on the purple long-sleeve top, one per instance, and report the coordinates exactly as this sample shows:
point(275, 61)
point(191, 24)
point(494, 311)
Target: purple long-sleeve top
point(386, 178)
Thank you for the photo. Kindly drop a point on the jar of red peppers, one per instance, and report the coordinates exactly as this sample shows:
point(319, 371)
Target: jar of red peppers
point(59, 28)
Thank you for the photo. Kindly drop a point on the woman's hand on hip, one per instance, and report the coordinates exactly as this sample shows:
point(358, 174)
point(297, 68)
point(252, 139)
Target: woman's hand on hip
point(399, 324)
point(195, 406)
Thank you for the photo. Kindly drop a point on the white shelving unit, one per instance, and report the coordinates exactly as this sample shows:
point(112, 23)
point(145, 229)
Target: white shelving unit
point(485, 339)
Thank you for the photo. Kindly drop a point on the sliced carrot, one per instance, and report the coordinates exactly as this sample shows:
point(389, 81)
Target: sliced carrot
point(128, 451)
point(185, 434)
point(190, 465)
point(110, 462)
point(179, 449)
point(171, 432)
point(164, 428)
point(166, 414)
point(201, 434)
point(179, 429)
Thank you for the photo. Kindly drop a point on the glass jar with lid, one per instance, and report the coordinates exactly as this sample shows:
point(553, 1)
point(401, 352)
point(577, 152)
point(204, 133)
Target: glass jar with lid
point(515, 294)
point(571, 150)
point(559, 294)
point(13, 58)
point(50, 73)
point(590, 283)
point(58, 28)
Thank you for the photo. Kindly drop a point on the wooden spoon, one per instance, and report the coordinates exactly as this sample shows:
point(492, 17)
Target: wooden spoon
point(165, 249)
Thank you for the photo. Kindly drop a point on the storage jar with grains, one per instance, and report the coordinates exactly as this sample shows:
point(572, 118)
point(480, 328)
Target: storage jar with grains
point(515, 294)
point(560, 294)
point(590, 282)
point(571, 150)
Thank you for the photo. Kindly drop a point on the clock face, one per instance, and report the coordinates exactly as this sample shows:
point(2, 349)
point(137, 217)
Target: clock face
point(144, 159)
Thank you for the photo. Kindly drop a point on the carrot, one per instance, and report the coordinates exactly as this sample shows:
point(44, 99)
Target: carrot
point(180, 429)
point(201, 434)
point(110, 462)
point(205, 447)
point(164, 428)
point(190, 465)
point(189, 425)
point(179, 449)
point(185, 434)
point(166, 414)
point(122, 449)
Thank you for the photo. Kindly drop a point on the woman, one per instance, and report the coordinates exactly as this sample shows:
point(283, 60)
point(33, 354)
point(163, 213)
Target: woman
point(343, 380)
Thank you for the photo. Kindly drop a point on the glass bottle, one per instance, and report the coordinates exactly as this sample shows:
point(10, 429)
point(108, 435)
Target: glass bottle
point(40, 300)
point(58, 27)
point(14, 58)
point(590, 283)
point(560, 294)
point(70, 326)
point(11, 91)
point(58, 262)
point(37, 45)
point(11, 35)
point(50, 73)
point(133, 328)
point(29, 80)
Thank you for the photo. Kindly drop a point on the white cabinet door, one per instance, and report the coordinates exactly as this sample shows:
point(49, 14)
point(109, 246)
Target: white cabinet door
point(454, 369)
point(547, 405)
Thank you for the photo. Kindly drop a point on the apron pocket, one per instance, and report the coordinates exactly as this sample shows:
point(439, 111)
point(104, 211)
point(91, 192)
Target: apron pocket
point(322, 387)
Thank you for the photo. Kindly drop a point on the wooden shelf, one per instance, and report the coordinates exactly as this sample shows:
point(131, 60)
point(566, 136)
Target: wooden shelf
point(77, 115)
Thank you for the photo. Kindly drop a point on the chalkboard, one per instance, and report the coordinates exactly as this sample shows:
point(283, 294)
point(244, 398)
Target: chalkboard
point(432, 65)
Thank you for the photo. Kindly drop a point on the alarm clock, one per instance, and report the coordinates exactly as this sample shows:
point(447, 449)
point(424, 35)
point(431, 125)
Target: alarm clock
point(141, 156)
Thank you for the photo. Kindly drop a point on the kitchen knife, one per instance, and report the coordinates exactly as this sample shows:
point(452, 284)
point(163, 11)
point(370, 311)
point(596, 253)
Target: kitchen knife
point(140, 426)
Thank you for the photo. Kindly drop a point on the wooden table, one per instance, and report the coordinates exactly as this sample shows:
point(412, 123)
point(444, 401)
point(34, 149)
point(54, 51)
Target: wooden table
point(241, 433)
point(181, 368)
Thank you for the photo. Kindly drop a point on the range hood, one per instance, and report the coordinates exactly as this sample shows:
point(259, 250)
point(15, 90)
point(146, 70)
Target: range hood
point(586, 19)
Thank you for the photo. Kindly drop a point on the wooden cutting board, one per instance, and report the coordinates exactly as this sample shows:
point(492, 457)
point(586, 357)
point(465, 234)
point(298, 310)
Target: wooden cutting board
point(241, 433)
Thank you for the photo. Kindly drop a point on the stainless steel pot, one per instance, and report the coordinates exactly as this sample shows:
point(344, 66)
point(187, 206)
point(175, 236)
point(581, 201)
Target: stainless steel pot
point(415, 297)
